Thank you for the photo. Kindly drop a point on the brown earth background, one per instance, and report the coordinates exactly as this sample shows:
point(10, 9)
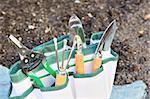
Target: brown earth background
point(34, 22)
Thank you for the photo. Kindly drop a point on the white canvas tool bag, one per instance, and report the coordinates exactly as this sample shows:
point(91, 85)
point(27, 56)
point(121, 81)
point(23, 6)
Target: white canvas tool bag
point(90, 85)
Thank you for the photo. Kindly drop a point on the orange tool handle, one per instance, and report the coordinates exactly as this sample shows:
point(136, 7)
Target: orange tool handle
point(60, 79)
point(79, 63)
point(97, 62)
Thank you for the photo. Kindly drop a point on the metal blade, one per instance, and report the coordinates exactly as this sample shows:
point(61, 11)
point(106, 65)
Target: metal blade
point(109, 39)
point(74, 21)
point(15, 41)
point(22, 50)
point(107, 33)
point(76, 27)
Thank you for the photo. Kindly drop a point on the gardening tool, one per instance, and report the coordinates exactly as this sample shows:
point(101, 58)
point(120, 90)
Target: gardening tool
point(56, 50)
point(63, 53)
point(70, 54)
point(61, 76)
point(79, 57)
point(29, 59)
point(104, 44)
point(76, 28)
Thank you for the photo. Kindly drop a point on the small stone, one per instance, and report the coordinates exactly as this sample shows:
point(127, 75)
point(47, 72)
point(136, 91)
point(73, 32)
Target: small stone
point(142, 60)
point(3, 12)
point(141, 32)
point(77, 1)
point(20, 39)
point(47, 30)
point(33, 14)
point(90, 15)
point(40, 20)
point(31, 27)
point(147, 17)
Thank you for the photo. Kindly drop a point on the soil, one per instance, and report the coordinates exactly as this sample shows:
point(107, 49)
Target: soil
point(34, 22)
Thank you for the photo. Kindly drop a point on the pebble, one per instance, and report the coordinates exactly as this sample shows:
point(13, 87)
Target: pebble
point(141, 32)
point(90, 15)
point(20, 39)
point(3, 12)
point(147, 17)
point(77, 1)
point(40, 20)
point(33, 14)
point(47, 30)
point(31, 27)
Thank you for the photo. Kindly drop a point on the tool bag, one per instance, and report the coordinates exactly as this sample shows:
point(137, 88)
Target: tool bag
point(90, 85)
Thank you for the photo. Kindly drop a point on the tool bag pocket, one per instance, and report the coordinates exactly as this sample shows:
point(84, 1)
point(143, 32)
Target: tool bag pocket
point(21, 87)
point(98, 84)
point(64, 91)
point(90, 85)
point(110, 59)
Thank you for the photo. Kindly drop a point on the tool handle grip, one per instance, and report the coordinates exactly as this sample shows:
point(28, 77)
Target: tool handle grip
point(60, 79)
point(79, 63)
point(96, 64)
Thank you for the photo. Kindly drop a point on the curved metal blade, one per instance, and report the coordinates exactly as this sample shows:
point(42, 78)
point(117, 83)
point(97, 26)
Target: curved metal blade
point(76, 27)
point(107, 37)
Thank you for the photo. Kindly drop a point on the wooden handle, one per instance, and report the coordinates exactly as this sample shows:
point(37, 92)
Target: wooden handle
point(97, 62)
point(79, 63)
point(60, 79)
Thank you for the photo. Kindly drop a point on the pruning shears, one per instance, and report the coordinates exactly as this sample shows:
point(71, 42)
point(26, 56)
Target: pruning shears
point(29, 58)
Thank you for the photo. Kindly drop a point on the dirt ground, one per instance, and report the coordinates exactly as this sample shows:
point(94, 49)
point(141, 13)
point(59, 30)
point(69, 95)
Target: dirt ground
point(34, 22)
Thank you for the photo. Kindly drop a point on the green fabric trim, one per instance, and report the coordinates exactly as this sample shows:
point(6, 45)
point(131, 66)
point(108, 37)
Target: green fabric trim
point(45, 89)
point(89, 75)
point(25, 94)
point(36, 79)
point(96, 36)
point(49, 46)
point(114, 58)
point(16, 73)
